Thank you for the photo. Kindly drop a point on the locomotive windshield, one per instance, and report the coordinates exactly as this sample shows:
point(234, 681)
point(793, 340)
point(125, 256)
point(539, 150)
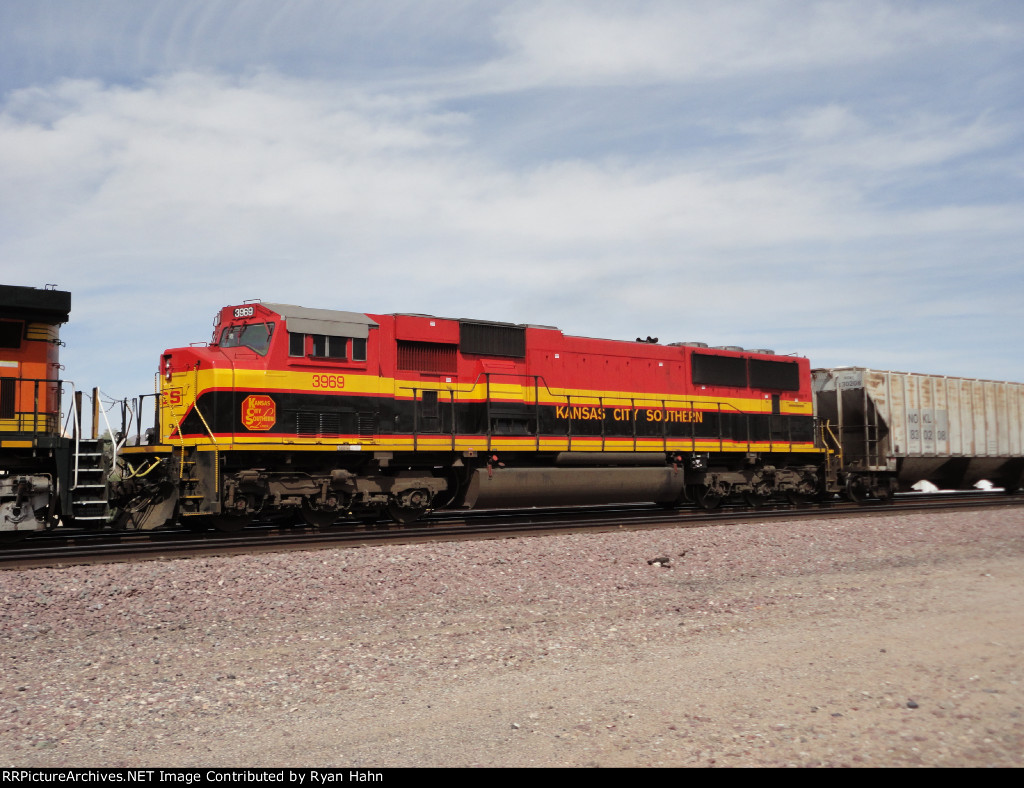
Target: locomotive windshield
point(255, 336)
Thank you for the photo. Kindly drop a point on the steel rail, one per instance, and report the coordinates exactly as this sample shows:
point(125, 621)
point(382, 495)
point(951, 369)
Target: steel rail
point(132, 546)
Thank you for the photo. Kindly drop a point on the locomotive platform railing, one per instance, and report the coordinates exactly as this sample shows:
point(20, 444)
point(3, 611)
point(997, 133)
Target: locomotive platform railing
point(41, 420)
point(138, 407)
point(540, 387)
point(31, 423)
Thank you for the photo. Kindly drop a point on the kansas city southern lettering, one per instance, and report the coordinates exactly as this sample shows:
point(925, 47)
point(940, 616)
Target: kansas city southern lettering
point(586, 413)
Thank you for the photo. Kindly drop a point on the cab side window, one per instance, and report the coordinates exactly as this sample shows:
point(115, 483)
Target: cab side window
point(10, 334)
point(329, 347)
point(325, 346)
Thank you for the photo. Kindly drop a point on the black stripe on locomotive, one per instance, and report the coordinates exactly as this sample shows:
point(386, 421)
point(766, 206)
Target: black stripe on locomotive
point(322, 415)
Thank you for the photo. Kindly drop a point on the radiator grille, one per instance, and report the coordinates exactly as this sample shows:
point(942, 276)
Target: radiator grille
point(427, 357)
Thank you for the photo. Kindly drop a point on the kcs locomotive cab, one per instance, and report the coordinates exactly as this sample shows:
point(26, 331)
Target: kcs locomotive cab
point(251, 382)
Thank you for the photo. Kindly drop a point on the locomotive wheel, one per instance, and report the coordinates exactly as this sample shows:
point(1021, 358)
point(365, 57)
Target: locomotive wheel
point(797, 499)
point(708, 499)
point(856, 492)
point(318, 518)
point(754, 500)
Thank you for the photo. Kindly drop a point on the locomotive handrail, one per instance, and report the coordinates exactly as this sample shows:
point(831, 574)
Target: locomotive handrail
point(138, 415)
point(202, 418)
point(77, 432)
point(199, 413)
point(536, 410)
point(456, 389)
point(664, 403)
point(115, 445)
point(50, 418)
point(568, 422)
point(664, 427)
point(71, 411)
point(826, 432)
point(718, 412)
point(127, 415)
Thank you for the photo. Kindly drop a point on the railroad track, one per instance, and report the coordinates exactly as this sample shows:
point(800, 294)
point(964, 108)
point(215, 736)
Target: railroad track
point(79, 548)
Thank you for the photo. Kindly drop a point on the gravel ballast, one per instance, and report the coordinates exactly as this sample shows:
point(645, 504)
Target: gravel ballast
point(884, 640)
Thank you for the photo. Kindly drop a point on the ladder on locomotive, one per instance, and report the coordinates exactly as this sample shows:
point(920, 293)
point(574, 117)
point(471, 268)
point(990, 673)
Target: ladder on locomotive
point(89, 483)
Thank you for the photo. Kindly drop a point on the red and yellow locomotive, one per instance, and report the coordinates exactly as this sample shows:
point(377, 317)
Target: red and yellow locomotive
point(342, 414)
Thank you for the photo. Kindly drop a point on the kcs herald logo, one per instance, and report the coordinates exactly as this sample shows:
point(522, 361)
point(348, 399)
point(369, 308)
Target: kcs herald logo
point(259, 413)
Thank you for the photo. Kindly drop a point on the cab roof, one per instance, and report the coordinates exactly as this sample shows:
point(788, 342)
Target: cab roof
point(331, 322)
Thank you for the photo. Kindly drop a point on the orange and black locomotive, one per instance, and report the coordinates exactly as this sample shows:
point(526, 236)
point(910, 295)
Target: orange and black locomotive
point(36, 463)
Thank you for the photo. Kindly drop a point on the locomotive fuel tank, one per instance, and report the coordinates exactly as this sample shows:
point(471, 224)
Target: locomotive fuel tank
point(509, 487)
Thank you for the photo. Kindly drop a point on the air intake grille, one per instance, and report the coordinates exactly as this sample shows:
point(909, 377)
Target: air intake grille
point(427, 357)
point(490, 339)
point(311, 424)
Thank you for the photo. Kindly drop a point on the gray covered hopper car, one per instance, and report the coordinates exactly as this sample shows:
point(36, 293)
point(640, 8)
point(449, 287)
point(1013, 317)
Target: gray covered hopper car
point(900, 428)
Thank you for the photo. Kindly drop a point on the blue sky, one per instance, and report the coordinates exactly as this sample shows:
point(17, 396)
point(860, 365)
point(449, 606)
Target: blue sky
point(840, 180)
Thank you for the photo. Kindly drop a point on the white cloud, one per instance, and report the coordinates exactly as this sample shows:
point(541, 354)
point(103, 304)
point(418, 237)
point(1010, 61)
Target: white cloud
point(204, 167)
point(783, 223)
point(586, 43)
point(834, 136)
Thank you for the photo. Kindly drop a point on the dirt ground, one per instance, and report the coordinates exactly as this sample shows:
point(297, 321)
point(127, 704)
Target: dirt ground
point(903, 649)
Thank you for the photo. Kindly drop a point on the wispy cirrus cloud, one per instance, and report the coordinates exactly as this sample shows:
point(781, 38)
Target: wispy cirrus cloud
point(552, 44)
